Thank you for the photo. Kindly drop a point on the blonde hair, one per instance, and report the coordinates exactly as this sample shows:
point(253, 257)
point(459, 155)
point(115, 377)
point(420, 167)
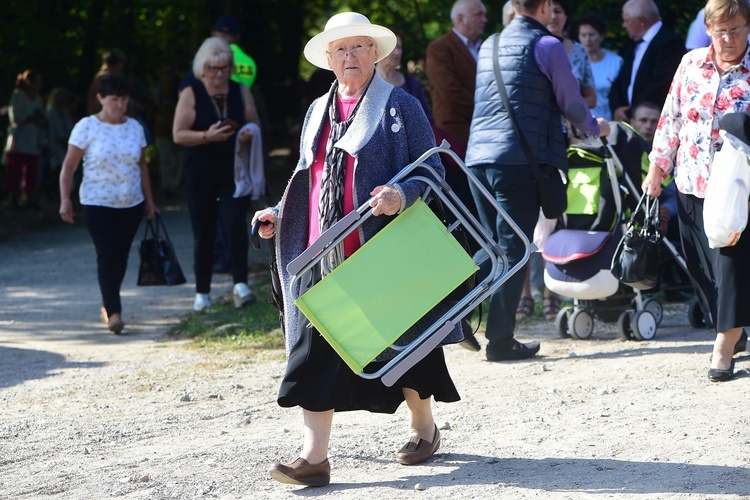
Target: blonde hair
point(212, 50)
point(721, 11)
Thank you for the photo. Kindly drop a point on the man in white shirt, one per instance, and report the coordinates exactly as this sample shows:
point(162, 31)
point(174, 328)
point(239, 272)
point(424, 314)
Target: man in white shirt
point(650, 60)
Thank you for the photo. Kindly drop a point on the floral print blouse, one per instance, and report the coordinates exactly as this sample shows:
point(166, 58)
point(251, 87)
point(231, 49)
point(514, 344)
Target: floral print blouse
point(688, 130)
point(111, 172)
point(579, 61)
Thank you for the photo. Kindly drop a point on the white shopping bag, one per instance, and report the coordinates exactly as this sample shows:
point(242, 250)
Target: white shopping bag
point(725, 208)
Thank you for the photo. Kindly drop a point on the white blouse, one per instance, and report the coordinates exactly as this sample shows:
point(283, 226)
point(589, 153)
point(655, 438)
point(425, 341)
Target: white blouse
point(111, 173)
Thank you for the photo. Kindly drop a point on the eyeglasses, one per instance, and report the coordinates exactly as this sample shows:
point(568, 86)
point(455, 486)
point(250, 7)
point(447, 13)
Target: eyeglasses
point(729, 35)
point(217, 69)
point(355, 51)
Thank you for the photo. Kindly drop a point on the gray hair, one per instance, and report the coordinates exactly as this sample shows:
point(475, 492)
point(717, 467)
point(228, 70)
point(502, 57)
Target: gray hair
point(212, 50)
point(646, 9)
point(508, 13)
point(461, 7)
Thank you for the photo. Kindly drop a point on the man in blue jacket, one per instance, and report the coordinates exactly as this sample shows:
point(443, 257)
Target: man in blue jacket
point(541, 89)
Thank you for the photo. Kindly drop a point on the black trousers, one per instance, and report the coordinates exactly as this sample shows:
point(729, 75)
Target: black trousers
point(514, 190)
point(208, 198)
point(112, 230)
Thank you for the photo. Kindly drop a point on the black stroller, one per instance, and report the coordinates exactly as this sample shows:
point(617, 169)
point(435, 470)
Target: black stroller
point(602, 188)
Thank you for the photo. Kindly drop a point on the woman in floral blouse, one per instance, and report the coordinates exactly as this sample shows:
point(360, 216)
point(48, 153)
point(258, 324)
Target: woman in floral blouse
point(709, 83)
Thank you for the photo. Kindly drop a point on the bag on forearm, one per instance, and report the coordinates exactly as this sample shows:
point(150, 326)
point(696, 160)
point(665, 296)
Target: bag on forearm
point(725, 208)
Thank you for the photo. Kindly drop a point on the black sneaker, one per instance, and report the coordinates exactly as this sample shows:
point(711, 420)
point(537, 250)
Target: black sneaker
point(515, 352)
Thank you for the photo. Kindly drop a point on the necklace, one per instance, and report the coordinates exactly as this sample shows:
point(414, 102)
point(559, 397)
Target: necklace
point(219, 102)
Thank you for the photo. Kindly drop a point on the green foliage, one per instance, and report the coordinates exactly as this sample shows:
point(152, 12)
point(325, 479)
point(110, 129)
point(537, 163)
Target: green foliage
point(64, 39)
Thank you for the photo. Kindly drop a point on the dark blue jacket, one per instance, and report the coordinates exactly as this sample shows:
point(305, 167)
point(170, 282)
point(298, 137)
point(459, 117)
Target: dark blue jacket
point(492, 138)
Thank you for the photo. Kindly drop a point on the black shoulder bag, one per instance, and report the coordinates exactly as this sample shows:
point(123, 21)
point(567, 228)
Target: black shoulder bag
point(159, 265)
point(553, 194)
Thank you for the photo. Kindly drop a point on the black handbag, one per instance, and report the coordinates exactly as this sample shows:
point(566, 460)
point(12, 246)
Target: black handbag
point(553, 192)
point(159, 265)
point(636, 259)
point(275, 297)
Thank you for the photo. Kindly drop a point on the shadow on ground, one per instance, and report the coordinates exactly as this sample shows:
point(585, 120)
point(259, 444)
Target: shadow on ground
point(20, 365)
point(561, 475)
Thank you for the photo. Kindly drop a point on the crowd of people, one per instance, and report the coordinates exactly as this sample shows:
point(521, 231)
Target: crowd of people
point(370, 116)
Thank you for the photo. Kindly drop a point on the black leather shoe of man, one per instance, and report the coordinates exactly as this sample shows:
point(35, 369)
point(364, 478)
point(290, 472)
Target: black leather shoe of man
point(515, 352)
point(417, 450)
point(302, 472)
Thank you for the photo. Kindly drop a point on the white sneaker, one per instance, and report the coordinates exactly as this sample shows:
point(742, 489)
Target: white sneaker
point(202, 301)
point(242, 295)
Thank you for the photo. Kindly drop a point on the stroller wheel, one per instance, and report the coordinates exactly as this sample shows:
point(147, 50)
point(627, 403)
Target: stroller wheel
point(623, 325)
point(561, 322)
point(581, 324)
point(654, 307)
point(643, 325)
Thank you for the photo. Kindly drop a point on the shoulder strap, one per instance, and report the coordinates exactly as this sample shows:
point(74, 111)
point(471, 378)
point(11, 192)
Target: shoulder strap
point(506, 102)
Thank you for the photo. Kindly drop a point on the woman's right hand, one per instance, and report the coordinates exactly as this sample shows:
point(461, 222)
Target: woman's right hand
point(652, 183)
point(267, 220)
point(66, 211)
point(218, 132)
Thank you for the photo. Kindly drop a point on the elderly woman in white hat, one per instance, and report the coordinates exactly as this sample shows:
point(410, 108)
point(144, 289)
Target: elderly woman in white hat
point(354, 140)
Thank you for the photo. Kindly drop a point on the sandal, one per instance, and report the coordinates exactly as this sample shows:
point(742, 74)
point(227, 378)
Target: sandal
point(550, 307)
point(525, 307)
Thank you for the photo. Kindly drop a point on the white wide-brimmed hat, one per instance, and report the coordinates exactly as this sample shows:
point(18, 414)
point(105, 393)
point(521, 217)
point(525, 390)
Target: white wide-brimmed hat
point(345, 25)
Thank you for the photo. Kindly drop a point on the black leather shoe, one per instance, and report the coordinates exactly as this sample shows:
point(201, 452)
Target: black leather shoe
point(741, 345)
point(515, 352)
point(716, 375)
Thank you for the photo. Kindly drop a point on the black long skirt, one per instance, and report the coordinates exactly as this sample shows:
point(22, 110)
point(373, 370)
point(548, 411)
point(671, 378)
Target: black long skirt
point(722, 273)
point(317, 379)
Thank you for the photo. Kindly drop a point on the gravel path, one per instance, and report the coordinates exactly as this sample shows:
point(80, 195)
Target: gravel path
point(85, 414)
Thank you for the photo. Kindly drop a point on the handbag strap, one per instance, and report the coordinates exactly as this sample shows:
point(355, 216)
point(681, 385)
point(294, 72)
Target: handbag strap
point(160, 226)
point(506, 102)
point(150, 230)
point(651, 214)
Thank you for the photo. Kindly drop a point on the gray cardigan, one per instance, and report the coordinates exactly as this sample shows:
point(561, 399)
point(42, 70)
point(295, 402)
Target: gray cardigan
point(389, 131)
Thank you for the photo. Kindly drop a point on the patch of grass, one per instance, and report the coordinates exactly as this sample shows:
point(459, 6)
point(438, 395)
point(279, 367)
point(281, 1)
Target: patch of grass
point(222, 327)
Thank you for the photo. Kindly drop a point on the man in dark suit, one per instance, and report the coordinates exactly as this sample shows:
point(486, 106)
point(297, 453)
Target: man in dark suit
point(452, 67)
point(649, 61)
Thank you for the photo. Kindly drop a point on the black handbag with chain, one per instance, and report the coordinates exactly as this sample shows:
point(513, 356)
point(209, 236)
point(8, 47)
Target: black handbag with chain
point(636, 259)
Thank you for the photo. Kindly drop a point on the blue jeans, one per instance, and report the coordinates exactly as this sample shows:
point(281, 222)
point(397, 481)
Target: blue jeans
point(515, 191)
